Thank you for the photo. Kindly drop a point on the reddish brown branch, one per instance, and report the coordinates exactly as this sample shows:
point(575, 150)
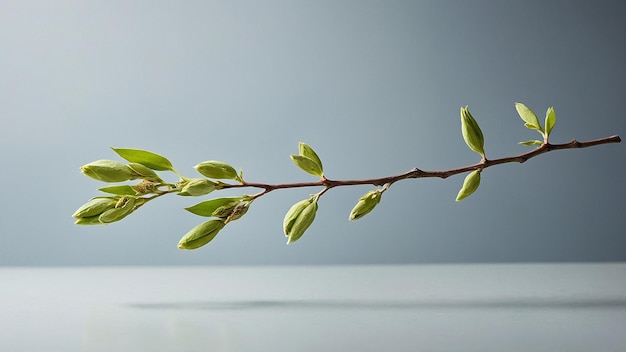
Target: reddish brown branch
point(417, 173)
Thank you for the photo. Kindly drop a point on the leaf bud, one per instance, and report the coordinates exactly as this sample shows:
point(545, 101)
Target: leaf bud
point(197, 187)
point(125, 205)
point(145, 187)
point(238, 211)
point(472, 134)
point(366, 204)
point(216, 170)
point(107, 171)
point(144, 172)
point(306, 150)
point(307, 165)
point(201, 234)
point(226, 209)
point(94, 207)
point(232, 210)
point(298, 219)
point(470, 184)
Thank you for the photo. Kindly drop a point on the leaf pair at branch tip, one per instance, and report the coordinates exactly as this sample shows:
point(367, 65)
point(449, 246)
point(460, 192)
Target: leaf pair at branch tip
point(308, 161)
point(532, 122)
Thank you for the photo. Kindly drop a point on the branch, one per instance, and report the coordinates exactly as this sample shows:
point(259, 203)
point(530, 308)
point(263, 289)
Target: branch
point(122, 200)
point(417, 173)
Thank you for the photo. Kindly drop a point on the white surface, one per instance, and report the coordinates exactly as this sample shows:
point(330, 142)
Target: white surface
point(512, 307)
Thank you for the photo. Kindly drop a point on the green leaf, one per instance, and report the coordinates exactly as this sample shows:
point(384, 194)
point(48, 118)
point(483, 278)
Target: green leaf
point(470, 184)
point(145, 158)
point(528, 116)
point(123, 190)
point(472, 134)
point(308, 165)
point(550, 120)
point(531, 142)
point(305, 150)
point(207, 208)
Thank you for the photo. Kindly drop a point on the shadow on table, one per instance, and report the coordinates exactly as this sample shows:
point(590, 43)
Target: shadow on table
point(511, 303)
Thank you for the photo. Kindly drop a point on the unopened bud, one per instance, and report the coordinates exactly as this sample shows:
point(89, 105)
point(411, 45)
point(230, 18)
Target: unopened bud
point(217, 170)
point(201, 234)
point(125, 205)
point(225, 210)
point(470, 184)
point(145, 187)
point(142, 171)
point(472, 134)
point(197, 187)
point(107, 171)
point(366, 204)
point(89, 212)
point(240, 210)
point(298, 219)
point(95, 206)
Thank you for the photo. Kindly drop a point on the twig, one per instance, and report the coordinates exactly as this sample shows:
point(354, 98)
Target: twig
point(417, 173)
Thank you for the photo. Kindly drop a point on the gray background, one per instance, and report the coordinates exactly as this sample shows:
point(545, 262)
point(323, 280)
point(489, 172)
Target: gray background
point(374, 86)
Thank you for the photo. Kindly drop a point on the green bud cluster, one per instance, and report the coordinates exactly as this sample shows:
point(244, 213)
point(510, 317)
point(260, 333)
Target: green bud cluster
point(124, 199)
point(105, 210)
